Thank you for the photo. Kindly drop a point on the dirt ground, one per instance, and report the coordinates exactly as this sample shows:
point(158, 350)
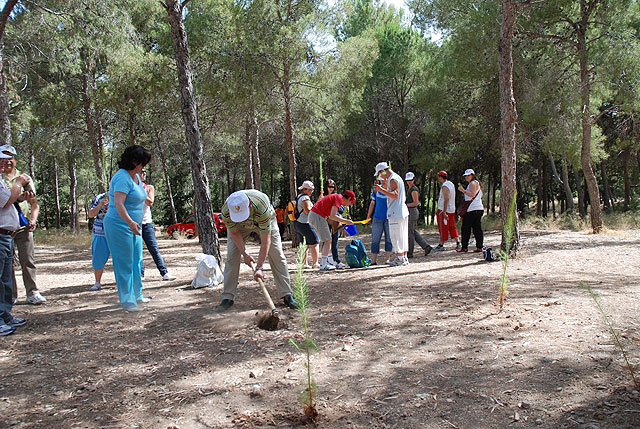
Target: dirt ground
point(421, 346)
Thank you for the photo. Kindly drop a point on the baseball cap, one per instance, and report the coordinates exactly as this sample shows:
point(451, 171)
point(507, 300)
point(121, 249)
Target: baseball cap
point(350, 194)
point(409, 176)
point(381, 166)
point(238, 204)
point(10, 149)
point(442, 173)
point(468, 172)
point(306, 184)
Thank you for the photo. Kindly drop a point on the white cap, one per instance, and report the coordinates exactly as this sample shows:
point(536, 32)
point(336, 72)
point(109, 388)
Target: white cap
point(8, 148)
point(409, 176)
point(468, 172)
point(306, 184)
point(238, 204)
point(381, 166)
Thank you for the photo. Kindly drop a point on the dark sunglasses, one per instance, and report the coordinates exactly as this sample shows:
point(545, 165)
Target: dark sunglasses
point(331, 186)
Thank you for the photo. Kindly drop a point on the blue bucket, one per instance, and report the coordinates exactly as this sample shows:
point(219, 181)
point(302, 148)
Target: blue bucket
point(351, 230)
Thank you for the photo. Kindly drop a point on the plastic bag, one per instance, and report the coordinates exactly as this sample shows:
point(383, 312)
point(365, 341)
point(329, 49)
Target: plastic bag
point(208, 273)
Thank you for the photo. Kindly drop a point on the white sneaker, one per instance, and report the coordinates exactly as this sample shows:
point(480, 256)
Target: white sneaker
point(96, 286)
point(330, 260)
point(168, 276)
point(145, 299)
point(341, 265)
point(405, 261)
point(6, 329)
point(396, 262)
point(36, 298)
point(327, 267)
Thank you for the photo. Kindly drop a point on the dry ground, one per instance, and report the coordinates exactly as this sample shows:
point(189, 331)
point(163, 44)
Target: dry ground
point(422, 346)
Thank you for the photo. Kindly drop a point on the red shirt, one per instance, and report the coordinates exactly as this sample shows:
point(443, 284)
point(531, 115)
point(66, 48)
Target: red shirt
point(323, 207)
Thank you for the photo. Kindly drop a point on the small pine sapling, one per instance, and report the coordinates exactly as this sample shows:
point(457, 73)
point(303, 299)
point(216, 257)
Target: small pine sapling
point(505, 254)
point(614, 334)
point(301, 294)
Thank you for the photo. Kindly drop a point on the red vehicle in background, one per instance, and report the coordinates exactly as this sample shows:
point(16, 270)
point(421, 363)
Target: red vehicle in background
point(188, 227)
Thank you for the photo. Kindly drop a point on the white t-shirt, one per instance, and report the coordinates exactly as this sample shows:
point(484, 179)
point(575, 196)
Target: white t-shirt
point(397, 209)
point(146, 217)
point(304, 217)
point(451, 207)
point(477, 203)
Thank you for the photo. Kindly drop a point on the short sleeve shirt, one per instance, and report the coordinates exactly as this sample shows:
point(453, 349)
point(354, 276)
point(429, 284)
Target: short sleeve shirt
point(25, 206)
point(134, 201)
point(323, 207)
point(98, 226)
point(304, 217)
point(380, 211)
point(8, 216)
point(261, 213)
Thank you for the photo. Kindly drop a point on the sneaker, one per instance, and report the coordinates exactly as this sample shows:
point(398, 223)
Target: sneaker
point(396, 262)
point(96, 286)
point(461, 250)
point(132, 309)
point(16, 321)
point(439, 248)
point(330, 260)
point(341, 265)
point(290, 302)
point(6, 329)
point(145, 299)
point(428, 250)
point(168, 276)
point(224, 305)
point(459, 245)
point(36, 298)
point(142, 276)
point(405, 261)
point(327, 267)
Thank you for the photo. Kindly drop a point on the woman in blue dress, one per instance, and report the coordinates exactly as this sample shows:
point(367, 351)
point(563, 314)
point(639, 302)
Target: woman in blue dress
point(122, 225)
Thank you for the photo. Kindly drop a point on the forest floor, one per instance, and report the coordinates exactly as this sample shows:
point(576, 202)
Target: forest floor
point(420, 346)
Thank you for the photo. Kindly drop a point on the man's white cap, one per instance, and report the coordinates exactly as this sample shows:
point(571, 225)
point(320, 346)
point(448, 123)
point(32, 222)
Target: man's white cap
point(409, 176)
point(8, 148)
point(238, 204)
point(381, 166)
point(468, 172)
point(308, 184)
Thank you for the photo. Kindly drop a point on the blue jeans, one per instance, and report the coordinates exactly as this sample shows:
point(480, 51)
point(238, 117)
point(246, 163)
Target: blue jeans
point(378, 226)
point(149, 237)
point(6, 276)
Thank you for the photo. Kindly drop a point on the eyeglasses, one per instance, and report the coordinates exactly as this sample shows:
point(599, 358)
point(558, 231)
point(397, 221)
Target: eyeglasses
point(331, 186)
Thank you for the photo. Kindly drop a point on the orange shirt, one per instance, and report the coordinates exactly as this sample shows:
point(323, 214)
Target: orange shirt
point(280, 215)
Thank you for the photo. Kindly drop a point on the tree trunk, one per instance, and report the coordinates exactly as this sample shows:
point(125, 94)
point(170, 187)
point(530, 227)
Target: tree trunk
point(539, 194)
point(288, 127)
point(248, 144)
point(434, 201)
point(131, 124)
point(606, 189)
point(626, 157)
point(5, 110)
point(581, 204)
point(585, 94)
point(255, 155)
point(56, 192)
point(565, 185)
point(202, 198)
point(73, 193)
point(545, 192)
point(493, 196)
point(508, 119)
point(425, 195)
point(165, 172)
point(32, 164)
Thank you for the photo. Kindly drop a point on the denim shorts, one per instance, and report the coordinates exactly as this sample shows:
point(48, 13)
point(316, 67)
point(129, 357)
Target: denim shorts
point(304, 230)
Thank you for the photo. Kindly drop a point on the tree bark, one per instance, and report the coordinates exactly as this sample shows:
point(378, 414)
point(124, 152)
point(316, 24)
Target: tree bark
point(202, 197)
point(5, 110)
point(581, 203)
point(545, 189)
point(165, 172)
point(585, 94)
point(88, 82)
point(508, 119)
point(288, 127)
point(255, 155)
point(56, 192)
point(73, 193)
point(248, 144)
point(567, 188)
point(606, 189)
point(626, 157)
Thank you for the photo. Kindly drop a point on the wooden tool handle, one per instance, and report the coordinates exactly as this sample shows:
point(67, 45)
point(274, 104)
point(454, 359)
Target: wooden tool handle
point(265, 292)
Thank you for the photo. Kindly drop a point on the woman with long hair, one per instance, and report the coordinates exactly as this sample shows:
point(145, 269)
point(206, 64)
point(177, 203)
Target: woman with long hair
point(473, 219)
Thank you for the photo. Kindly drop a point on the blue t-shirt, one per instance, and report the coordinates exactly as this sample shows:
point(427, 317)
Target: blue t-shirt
point(380, 211)
point(98, 227)
point(133, 203)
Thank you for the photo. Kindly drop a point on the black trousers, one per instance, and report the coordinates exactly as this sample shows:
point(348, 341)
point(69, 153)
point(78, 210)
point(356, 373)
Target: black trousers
point(472, 221)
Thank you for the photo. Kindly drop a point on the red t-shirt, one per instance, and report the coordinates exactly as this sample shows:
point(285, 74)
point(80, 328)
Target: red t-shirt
point(323, 207)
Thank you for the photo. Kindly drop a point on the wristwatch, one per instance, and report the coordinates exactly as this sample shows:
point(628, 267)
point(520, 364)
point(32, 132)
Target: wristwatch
point(257, 268)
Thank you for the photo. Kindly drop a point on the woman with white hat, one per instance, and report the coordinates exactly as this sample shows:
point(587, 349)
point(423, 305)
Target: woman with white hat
point(472, 220)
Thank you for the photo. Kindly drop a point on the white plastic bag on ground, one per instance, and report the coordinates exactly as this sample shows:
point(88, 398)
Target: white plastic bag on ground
point(208, 273)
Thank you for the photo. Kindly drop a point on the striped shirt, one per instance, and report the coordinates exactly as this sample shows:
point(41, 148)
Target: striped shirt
point(261, 213)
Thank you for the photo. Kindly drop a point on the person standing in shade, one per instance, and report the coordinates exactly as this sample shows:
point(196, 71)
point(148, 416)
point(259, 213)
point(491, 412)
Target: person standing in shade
point(397, 211)
point(327, 208)
point(379, 224)
point(99, 247)
point(9, 223)
point(149, 231)
point(301, 225)
point(413, 200)
point(122, 225)
point(245, 212)
point(446, 214)
point(473, 219)
point(23, 239)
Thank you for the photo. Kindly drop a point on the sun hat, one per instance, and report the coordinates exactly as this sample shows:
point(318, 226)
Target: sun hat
point(409, 176)
point(442, 173)
point(238, 204)
point(306, 184)
point(381, 166)
point(468, 172)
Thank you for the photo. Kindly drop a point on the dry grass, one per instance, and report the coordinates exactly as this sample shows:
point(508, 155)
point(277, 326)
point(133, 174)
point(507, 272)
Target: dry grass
point(62, 237)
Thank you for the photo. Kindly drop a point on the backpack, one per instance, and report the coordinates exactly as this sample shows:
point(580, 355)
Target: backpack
point(292, 209)
point(356, 255)
point(488, 255)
